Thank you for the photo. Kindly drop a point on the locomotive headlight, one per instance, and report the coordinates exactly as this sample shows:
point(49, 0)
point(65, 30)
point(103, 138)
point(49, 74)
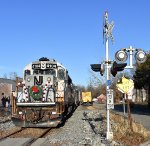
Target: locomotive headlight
point(22, 100)
point(20, 113)
point(48, 79)
point(28, 79)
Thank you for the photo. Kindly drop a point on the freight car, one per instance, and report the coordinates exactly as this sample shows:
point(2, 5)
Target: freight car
point(48, 95)
point(87, 98)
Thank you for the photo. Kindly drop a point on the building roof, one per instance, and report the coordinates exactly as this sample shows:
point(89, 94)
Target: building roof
point(9, 81)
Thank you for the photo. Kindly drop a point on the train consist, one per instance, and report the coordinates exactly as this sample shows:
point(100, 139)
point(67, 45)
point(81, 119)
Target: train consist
point(48, 95)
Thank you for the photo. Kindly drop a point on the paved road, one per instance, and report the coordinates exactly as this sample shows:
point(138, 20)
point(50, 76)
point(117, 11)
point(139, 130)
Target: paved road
point(139, 112)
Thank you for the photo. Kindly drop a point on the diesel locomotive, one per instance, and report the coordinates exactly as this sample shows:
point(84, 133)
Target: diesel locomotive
point(47, 95)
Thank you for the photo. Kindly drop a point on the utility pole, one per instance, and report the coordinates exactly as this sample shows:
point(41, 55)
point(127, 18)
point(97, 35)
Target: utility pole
point(108, 34)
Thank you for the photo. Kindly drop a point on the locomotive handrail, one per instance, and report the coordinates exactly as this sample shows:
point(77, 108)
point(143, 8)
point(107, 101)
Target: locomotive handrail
point(35, 104)
point(48, 92)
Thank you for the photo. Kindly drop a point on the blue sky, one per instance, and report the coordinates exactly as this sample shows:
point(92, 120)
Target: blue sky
point(69, 31)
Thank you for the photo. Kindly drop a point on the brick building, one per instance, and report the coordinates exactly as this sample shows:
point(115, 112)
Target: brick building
point(7, 86)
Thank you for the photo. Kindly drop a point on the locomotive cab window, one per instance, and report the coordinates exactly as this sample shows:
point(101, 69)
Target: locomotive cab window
point(35, 72)
point(61, 74)
point(38, 72)
point(26, 72)
point(50, 72)
point(41, 72)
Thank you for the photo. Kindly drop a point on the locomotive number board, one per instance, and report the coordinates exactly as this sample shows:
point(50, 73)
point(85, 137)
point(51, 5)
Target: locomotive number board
point(36, 66)
point(48, 66)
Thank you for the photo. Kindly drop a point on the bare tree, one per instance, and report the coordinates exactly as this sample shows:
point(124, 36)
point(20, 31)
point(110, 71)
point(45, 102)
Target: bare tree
point(95, 79)
point(96, 82)
point(12, 75)
point(5, 76)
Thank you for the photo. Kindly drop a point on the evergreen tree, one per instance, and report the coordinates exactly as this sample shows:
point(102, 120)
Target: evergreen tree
point(142, 76)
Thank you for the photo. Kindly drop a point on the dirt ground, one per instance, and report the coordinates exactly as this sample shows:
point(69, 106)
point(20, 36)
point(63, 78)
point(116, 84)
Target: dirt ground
point(128, 132)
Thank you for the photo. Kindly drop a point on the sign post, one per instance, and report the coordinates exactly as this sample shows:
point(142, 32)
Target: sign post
point(125, 87)
point(108, 34)
point(124, 109)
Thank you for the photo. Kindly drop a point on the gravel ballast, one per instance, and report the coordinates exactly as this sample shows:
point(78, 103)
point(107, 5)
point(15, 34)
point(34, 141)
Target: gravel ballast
point(76, 132)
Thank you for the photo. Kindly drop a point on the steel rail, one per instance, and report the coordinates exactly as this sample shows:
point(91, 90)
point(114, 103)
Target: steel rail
point(12, 134)
point(35, 139)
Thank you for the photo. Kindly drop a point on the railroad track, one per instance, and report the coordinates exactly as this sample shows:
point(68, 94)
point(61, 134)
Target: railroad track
point(11, 134)
point(22, 131)
point(41, 136)
point(5, 121)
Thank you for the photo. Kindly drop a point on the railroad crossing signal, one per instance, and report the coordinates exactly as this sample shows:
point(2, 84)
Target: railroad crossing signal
point(140, 56)
point(98, 68)
point(126, 85)
point(117, 67)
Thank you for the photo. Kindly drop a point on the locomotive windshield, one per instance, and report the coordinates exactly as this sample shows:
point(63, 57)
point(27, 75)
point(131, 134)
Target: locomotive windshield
point(45, 72)
point(50, 72)
point(61, 74)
